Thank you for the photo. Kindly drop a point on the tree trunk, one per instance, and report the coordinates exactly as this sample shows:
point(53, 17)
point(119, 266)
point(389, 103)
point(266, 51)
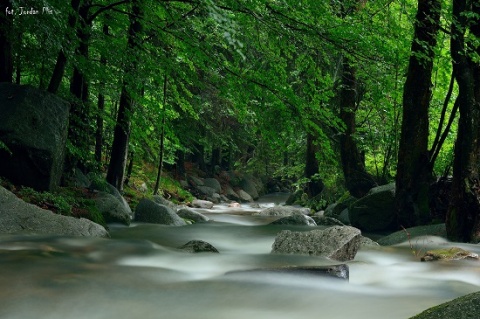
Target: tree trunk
point(315, 184)
point(79, 132)
point(116, 167)
point(61, 63)
point(162, 137)
point(413, 170)
point(100, 109)
point(357, 180)
point(6, 51)
point(463, 216)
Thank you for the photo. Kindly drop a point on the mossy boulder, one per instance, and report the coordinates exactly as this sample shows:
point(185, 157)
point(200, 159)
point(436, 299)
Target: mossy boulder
point(33, 127)
point(448, 254)
point(461, 308)
point(375, 211)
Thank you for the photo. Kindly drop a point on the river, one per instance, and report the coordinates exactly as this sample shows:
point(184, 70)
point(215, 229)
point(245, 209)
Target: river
point(139, 273)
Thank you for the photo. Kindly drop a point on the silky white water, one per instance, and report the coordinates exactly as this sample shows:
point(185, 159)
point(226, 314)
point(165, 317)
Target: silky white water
point(139, 273)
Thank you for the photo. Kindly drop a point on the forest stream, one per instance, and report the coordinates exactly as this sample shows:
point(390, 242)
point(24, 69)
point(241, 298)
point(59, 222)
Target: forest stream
point(139, 273)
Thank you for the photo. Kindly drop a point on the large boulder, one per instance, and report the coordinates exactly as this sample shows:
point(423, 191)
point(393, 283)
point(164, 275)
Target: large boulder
point(199, 203)
point(243, 196)
point(461, 308)
point(375, 211)
point(112, 209)
point(101, 185)
point(213, 183)
point(438, 230)
point(165, 202)
point(16, 216)
point(339, 243)
point(248, 185)
point(148, 211)
point(187, 213)
point(34, 127)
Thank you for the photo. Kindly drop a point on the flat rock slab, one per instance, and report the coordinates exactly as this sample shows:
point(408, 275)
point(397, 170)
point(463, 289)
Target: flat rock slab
point(338, 242)
point(335, 271)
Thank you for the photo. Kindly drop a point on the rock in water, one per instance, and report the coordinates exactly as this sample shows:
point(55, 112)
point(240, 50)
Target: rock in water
point(338, 242)
point(148, 211)
point(448, 254)
point(34, 127)
point(461, 308)
point(198, 246)
point(334, 271)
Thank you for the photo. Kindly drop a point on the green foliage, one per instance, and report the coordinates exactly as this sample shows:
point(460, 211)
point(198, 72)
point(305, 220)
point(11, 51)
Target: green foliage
point(66, 201)
point(5, 148)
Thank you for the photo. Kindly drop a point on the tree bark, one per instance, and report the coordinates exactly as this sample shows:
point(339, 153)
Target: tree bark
point(413, 169)
point(79, 132)
point(100, 109)
point(118, 158)
point(61, 63)
point(463, 216)
point(315, 184)
point(6, 34)
point(357, 180)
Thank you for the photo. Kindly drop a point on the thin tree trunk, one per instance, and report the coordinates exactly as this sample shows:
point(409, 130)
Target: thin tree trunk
point(61, 63)
point(162, 138)
point(100, 109)
point(357, 180)
point(315, 184)
point(413, 170)
point(79, 132)
point(118, 158)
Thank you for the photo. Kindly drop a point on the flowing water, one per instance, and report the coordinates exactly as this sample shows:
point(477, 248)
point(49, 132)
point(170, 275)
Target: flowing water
point(139, 273)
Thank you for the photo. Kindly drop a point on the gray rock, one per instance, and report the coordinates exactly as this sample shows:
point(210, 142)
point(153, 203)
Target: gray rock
point(248, 185)
point(16, 216)
point(192, 215)
point(344, 217)
point(327, 221)
point(461, 308)
point(165, 202)
point(112, 209)
point(366, 242)
point(80, 179)
point(283, 211)
point(215, 198)
point(401, 236)
point(198, 246)
point(244, 196)
point(297, 219)
point(34, 127)
point(213, 183)
point(231, 194)
point(195, 181)
point(335, 271)
point(205, 190)
point(375, 211)
point(198, 203)
point(337, 242)
point(148, 211)
point(101, 185)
